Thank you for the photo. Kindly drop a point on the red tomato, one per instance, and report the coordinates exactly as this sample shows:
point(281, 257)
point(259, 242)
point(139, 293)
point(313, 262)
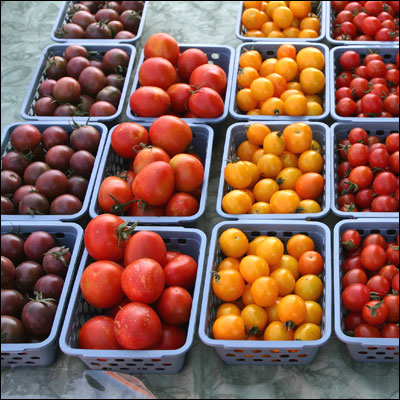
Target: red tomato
point(181, 271)
point(375, 312)
point(344, 79)
point(379, 284)
point(143, 280)
point(127, 137)
point(140, 208)
point(391, 104)
point(344, 169)
point(343, 92)
point(154, 184)
point(379, 158)
point(173, 337)
point(101, 284)
point(162, 45)
point(371, 104)
point(355, 275)
point(206, 103)
point(351, 239)
point(189, 60)
point(106, 237)
point(115, 195)
point(349, 59)
point(358, 19)
point(145, 244)
point(98, 333)
point(352, 320)
point(367, 330)
point(376, 69)
point(389, 271)
point(149, 101)
point(385, 183)
point(394, 162)
point(352, 262)
point(392, 253)
point(174, 306)
point(171, 133)
point(339, 5)
point(373, 257)
point(395, 283)
point(157, 71)
point(390, 331)
point(373, 7)
point(358, 135)
point(392, 303)
point(370, 25)
point(179, 93)
point(359, 86)
point(384, 203)
point(361, 176)
point(364, 198)
point(209, 75)
point(149, 155)
point(172, 254)
point(182, 205)
point(137, 327)
point(392, 142)
point(375, 238)
point(189, 172)
point(346, 107)
point(355, 296)
point(114, 310)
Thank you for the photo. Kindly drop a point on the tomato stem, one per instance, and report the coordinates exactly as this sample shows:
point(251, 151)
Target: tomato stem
point(59, 255)
point(125, 231)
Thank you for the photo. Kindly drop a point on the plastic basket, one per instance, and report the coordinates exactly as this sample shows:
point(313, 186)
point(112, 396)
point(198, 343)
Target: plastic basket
point(62, 18)
point(330, 16)
point(318, 8)
point(262, 352)
point(268, 50)
point(27, 109)
point(112, 164)
point(188, 241)
point(236, 134)
point(389, 55)
point(362, 349)
point(340, 131)
point(223, 56)
point(6, 147)
point(43, 353)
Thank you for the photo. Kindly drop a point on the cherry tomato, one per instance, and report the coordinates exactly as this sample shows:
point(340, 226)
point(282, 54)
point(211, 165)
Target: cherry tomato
point(355, 296)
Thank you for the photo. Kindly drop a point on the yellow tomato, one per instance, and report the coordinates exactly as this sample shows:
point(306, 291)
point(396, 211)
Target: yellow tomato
point(310, 57)
point(268, 66)
point(238, 174)
point(246, 76)
point(255, 318)
point(300, 9)
point(252, 267)
point(257, 155)
point(286, 67)
point(247, 298)
point(309, 206)
point(277, 330)
point(228, 285)
point(269, 166)
point(288, 159)
point(287, 178)
point(245, 100)
point(245, 150)
point(282, 16)
point(228, 309)
point(309, 287)
point(252, 249)
point(314, 108)
point(272, 5)
point(256, 133)
point(314, 312)
point(264, 189)
point(236, 202)
point(284, 202)
point(260, 207)
point(285, 280)
point(233, 243)
point(251, 58)
point(274, 143)
point(271, 249)
point(264, 291)
point(262, 89)
point(311, 161)
point(298, 137)
point(312, 81)
point(295, 105)
point(229, 327)
point(289, 92)
point(292, 309)
point(290, 263)
point(272, 106)
point(272, 311)
point(307, 331)
point(229, 263)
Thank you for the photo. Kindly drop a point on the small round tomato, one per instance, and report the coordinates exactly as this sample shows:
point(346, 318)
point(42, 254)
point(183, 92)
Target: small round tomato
point(352, 320)
point(346, 107)
point(375, 312)
point(174, 305)
point(181, 271)
point(355, 296)
point(390, 331)
point(356, 275)
point(367, 330)
point(97, 333)
point(379, 285)
point(127, 137)
point(206, 103)
point(115, 195)
point(292, 308)
point(392, 303)
point(229, 327)
point(149, 101)
point(233, 243)
point(349, 59)
point(351, 239)
point(309, 287)
point(228, 285)
point(311, 262)
point(373, 257)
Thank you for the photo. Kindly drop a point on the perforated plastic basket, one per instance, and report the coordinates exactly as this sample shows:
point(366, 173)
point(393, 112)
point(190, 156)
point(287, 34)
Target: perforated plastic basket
point(329, 25)
point(187, 241)
point(339, 131)
point(269, 50)
point(6, 147)
point(318, 8)
point(361, 349)
point(27, 109)
point(223, 56)
point(43, 353)
point(236, 134)
point(267, 352)
point(62, 18)
point(113, 164)
point(389, 55)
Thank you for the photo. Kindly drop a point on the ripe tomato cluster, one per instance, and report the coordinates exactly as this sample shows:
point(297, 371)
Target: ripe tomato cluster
point(280, 19)
point(291, 83)
point(144, 290)
point(369, 88)
point(275, 172)
point(48, 171)
point(33, 270)
point(79, 83)
point(366, 20)
point(267, 293)
point(182, 84)
point(102, 20)
point(368, 172)
point(370, 285)
point(161, 179)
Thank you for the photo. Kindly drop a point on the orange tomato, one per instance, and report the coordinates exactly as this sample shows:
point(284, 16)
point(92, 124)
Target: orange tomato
point(309, 206)
point(314, 312)
point(246, 76)
point(256, 155)
point(311, 161)
point(255, 318)
point(253, 4)
point(286, 50)
point(311, 262)
point(268, 67)
point(233, 243)
point(229, 263)
point(271, 249)
point(262, 89)
point(236, 202)
point(250, 193)
point(274, 143)
point(260, 207)
point(252, 18)
point(228, 309)
point(284, 202)
point(245, 100)
point(290, 263)
point(279, 83)
point(229, 327)
point(255, 33)
point(286, 67)
point(290, 92)
point(252, 267)
point(228, 285)
point(299, 244)
point(272, 106)
point(282, 16)
point(268, 27)
point(295, 105)
point(309, 287)
point(293, 85)
point(254, 111)
point(285, 280)
point(314, 108)
point(316, 146)
point(307, 331)
point(256, 133)
point(264, 189)
point(245, 150)
point(310, 57)
point(312, 80)
point(288, 177)
point(272, 5)
point(298, 137)
point(269, 165)
point(310, 23)
point(247, 298)
point(272, 311)
point(308, 33)
point(314, 98)
point(250, 58)
point(276, 34)
point(310, 185)
point(292, 309)
point(288, 159)
point(238, 174)
point(252, 250)
point(276, 330)
point(254, 173)
point(264, 291)
point(291, 32)
point(300, 9)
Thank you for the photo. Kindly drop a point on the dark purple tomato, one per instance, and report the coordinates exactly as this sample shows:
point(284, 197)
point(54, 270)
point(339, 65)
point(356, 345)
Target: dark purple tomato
point(91, 80)
point(98, 30)
point(16, 161)
point(91, 6)
point(52, 184)
point(38, 316)
point(106, 14)
point(131, 20)
point(115, 80)
point(84, 103)
point(70, 31)
point(25, 137)
point(12, 330)
point(65, 204)
point(34, 204)
point(77, 186)
point(10, 182)
point(50, 286)
point(82, 163)
point(76, 65)
point(56, 67)
point(45, 106)
point(83, 19)
point(7, 206)
point(132, 5)
point(56, 261)
point(12, 247)
point(58, 157)
point(114, 5)
point(38, 154)
point(37, 244)
point(67, 90)
point(115, 27)
point(7, 271)
point(26, 275)
point(85, 138)
point(33, 171)
point(124, 35)
point(46, 87)
point(21, 192)
point(102, 109)
point(12, 302)
point(97, 64)
point(115, 58)
point(65, 110)
point(110, 94)
point(53, 136)
point(75, 50)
